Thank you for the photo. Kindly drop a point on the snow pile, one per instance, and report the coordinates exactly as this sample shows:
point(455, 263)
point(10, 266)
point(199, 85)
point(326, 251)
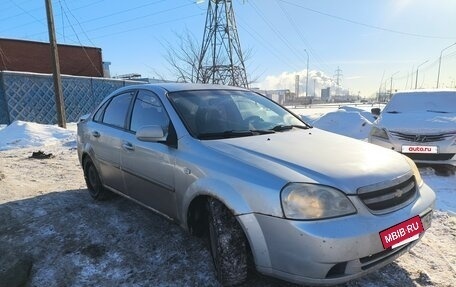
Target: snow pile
point(25, 134)
point(366, 114)
point(349, 123)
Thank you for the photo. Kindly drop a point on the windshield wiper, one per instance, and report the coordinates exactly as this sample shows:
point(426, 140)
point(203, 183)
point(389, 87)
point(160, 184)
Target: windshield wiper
point(246, 133)
point(440, 112)
point(262, 132)
point(280, 128)
point(226, 134)
point(393, 112)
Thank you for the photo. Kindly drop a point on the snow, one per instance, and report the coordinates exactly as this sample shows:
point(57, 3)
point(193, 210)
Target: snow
point(25, 134)
point(348, 123)
point(443, 101)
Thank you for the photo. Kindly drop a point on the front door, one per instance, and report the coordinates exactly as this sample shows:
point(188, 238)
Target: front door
point(148, 167)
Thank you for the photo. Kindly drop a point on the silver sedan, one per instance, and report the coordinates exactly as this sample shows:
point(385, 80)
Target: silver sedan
point(267, 189)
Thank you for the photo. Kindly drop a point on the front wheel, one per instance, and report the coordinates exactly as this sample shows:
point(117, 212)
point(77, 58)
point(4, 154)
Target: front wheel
point(228, 245)
point(93, 182)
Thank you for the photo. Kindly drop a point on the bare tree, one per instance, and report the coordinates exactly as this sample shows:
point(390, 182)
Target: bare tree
point(183, 58)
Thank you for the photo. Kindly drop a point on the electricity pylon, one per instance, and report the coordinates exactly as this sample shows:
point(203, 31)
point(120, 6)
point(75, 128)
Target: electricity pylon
point(221, 60)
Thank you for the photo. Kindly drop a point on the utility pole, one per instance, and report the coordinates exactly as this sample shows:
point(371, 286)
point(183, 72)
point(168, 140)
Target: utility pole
point(297, 86)
point(314, 88)
point(440, 63)
point(416, 81)
point(391, 84)
point(59, 103)
point(307, 78)
point(221, 60)
point(338, 76)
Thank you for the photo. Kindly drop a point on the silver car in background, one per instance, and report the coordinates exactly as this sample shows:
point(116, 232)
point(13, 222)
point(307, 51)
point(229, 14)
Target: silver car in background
point(420, 124)
point(268, 190)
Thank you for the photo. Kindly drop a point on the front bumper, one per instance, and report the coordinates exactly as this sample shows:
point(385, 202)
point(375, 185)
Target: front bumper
point(446, 151)
point(329, 251)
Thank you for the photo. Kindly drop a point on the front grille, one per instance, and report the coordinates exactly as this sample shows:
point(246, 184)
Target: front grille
point(422, 138)
point(389, 196)
point(430, 157)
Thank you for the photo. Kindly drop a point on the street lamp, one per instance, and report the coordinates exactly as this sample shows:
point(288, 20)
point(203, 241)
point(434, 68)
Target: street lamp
point(440, 63)
point(416, 81)
point(307, 78)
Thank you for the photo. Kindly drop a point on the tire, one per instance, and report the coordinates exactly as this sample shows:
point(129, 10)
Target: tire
point(228, 245)
point(93, 182)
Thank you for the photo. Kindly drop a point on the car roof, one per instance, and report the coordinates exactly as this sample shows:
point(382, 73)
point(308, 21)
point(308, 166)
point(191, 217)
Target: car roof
point(426, 92)
point(174, 87)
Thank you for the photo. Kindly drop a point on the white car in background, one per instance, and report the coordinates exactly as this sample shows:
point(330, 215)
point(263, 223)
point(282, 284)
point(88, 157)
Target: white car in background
point(420, 124)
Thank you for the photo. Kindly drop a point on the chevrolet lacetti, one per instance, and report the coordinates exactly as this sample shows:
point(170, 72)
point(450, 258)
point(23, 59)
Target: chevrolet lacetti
point(267, 189)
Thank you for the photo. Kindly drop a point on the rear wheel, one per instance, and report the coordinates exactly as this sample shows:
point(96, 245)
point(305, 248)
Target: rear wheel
point(93, 182)
point(228, 245)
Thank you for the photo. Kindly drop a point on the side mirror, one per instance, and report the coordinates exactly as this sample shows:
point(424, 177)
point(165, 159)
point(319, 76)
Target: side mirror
point(375, 111)
point(151, 134)
point(83, 118)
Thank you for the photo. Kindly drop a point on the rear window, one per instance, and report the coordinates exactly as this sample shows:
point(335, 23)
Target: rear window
point(438, 102)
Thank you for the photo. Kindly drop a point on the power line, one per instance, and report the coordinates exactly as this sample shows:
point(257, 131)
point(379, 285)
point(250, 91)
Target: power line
point(24, 12)
point(126, 21)
point(266, 44)
point(28, 13)
point(368, 25)
point(304, 40)
point(148, 26)
point(279, 35)
point(3, 57)
point(77, 21)
point(15, 5)
point(133, 19)
point(80, 43)
point(123, 11)
point(38, 20)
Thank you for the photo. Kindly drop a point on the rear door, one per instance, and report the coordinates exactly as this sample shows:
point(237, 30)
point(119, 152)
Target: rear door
point(148, 167)
point(106, 132)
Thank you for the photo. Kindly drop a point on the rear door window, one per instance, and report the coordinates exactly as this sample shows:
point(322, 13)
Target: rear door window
point(116, 111)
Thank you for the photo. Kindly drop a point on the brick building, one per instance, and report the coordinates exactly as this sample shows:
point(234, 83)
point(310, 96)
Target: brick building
point(30, 56)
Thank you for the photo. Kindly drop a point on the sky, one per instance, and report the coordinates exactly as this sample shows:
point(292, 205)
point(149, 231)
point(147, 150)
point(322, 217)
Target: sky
point(376, 45)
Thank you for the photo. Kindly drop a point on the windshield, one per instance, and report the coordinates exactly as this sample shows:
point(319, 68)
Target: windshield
point(433, 102)
point(212, 114)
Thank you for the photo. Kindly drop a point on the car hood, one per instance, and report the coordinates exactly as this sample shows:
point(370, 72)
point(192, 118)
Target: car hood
point(314, 156)
point(418, 123)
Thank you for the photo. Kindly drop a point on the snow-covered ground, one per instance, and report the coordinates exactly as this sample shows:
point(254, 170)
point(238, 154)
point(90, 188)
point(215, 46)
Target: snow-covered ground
point(45, 211)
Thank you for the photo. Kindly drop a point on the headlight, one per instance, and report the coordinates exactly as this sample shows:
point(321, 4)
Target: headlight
point(313, 201)
point(379, 133)
point(416, 171)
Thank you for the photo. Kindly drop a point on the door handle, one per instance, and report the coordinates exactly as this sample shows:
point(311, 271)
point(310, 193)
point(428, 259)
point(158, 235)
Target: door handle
point(128, 146)
point(96, 134)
